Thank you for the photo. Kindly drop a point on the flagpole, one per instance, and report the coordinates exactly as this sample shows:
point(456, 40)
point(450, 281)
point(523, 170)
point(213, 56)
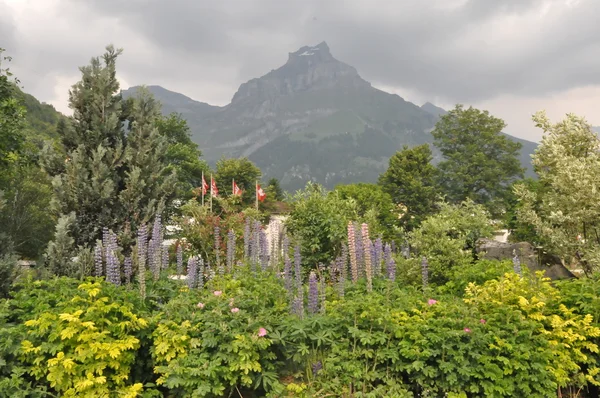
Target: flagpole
point(256, 193)
point(202, 189)
point(211, 191)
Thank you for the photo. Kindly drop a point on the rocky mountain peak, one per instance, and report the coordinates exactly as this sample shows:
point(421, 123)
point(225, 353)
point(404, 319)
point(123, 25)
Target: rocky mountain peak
point(309, 68)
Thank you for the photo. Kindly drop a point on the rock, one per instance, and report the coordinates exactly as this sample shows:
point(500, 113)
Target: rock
point(529, 256)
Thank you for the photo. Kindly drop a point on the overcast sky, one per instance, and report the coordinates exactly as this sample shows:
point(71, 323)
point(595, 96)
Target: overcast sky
point(511, 57)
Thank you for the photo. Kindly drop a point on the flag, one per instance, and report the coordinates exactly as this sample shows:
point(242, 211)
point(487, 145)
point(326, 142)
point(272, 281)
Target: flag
point(260, 194)
point(213, 187)
point(204, 186)
point(235, 189)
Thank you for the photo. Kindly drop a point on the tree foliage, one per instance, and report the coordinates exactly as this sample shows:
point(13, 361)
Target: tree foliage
point(566, 212)
point(479, 161)
point(106, 172)
point(411, 182)
point(245, 174)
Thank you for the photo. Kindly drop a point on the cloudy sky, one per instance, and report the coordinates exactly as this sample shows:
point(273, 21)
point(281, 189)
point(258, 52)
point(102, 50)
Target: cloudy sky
point(511, 57)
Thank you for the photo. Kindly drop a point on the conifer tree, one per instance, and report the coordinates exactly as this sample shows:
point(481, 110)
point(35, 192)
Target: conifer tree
point(110, 169)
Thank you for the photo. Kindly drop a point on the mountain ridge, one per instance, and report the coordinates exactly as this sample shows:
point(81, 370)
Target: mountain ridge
point(312, 119)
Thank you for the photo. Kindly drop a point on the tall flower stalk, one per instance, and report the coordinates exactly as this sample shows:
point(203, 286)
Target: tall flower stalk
point(200, 272)
point(192, 272)
point(247, 238)
point(230, 250)
point(287, 265)
point(313, 293)
point(157, 239)
point(352, 250)
point(366, 245)
point(264, 250)
point(425, 272)
point(217, 249)
point(98, 270)
point(378, 256)
point(360, 250)
point(142, 240)
point(517, 264)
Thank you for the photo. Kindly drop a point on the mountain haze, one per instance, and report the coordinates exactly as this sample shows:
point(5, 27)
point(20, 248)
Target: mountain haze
point(314, 118)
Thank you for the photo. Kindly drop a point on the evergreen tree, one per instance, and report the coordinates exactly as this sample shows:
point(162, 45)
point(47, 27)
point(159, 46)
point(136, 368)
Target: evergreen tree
point(110, 169)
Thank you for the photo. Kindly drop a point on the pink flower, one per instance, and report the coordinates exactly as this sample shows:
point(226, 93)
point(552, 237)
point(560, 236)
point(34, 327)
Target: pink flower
point(432, 302)
point(217, 292)
point(482, 321)
point(467, 330)
point(262, 332)
point(200, 305)
point(235, 309)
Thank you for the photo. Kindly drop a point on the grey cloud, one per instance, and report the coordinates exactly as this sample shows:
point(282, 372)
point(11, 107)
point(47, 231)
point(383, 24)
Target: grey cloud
point(201, 47)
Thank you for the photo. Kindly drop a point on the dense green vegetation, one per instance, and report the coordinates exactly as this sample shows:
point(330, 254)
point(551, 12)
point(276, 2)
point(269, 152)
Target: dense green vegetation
point(367, 290)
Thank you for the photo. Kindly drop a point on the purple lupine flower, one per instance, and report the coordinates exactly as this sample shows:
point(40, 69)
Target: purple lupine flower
point(344, 262)
point(366, 244)
point(360, 250)
point(255, 244)
point(372, 253)
point(378, 255)
point(322, 292)
point(298, 266)
point(287, 265)
point(338, 277)
point(313, 293)
point(179, 259)
point(105, 242)
point(390, 263)
point(298, 306)
point(192, 272)
point(353, 251)
point(247, 237)
point(128, 269)
point(142, 241)
point(98, 259)
point(113, 273)
point(425, 271)
point(157, 243)
point(264, 251)
point(200, 274)
point(230, 250)
point(517, 264)
point(316, 367)
point(217, 248)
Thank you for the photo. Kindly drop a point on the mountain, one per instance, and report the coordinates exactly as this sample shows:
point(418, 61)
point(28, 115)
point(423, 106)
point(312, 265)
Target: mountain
point(314, 118)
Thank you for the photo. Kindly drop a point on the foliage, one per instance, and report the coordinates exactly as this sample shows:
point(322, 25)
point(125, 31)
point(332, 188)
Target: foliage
point(183, 155)
point(60, 252)
point(447, 239)
point(479, 162)
point(372, 201)
point(245, 174)
point(12, 116)
point(318, 221)
point(209, 345)
point(274, 188)
point(108, 173)
point(411, 181)
point(198, 224)
point(566, 213)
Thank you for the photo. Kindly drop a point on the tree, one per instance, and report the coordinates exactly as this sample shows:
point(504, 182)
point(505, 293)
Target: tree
point(245, 174)
point(318, 221)
point(12, 116)
point(106, 172)
point(565, 211)
point(410, 181)
point(274, 188)
point(372, 201)
point(479, 162)
point(183, 155)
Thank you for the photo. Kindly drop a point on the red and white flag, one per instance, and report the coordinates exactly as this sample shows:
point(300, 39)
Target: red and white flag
point(236, 191)
point(260, 194)
point(213, 187)
point(204, 186)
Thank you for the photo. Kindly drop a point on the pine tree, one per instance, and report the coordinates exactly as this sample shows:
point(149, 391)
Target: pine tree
point(110, 169)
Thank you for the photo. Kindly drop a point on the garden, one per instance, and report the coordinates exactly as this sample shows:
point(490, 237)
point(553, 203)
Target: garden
point(144, 281)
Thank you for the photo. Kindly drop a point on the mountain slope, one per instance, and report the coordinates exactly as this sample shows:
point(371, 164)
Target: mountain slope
point(314, 118)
